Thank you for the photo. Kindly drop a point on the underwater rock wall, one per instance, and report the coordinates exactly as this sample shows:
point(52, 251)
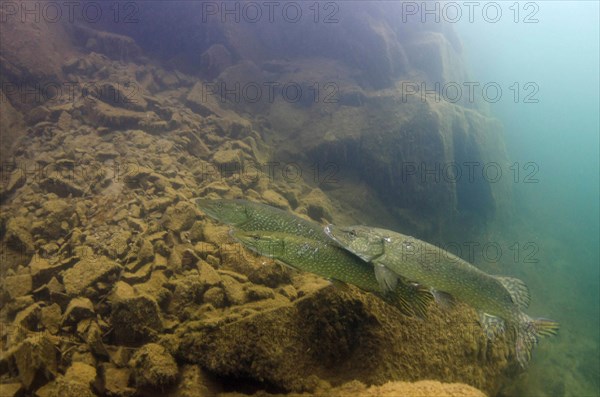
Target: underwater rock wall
point(113, 283)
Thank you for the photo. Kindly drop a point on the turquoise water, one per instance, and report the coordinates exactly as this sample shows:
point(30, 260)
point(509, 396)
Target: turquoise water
point(551, 131)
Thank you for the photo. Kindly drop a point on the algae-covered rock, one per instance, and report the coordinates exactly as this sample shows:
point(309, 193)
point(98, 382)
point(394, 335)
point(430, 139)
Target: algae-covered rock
point(36, 361)
point(180, 217)
point(79, 308)
point(340, 336)
point(18, 235)
point(88, 272)
point(116, 381)
point(135, 317)
point(153, 367)
point(17, 285)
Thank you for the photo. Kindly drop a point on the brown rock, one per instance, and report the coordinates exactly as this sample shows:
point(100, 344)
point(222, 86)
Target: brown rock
point(64, 387)
point(82, 373)
point(51, 317)
point(118, 246)
point(79, 308)
point(42, 271)
point(18, 235)
point(146, 252)
point(153, 367)
point(103, 114)
point(61, 186)
point(180, 217)
point(215, 296)
point(258, 292)
point(187, 290)
point(116, 381)
point(18, 285)
point(90, 332)
point(270, 274)
point(12, 128)
point(234, 291)
point(207, 274)
point(36, 361)
point(12, 389)
point(275, 199)
point(15, 181)
point(87, 272)
point(29, 317)
point(135, 317)
point(345, 335)
point(214, 60)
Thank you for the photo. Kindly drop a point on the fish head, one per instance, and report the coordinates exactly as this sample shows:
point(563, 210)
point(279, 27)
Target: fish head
point(362, 241)
point(231, 212)
point(264, 243)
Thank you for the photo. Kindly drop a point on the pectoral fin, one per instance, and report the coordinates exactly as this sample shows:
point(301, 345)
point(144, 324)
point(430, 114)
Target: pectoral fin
point(410, 298)
point(387, 279)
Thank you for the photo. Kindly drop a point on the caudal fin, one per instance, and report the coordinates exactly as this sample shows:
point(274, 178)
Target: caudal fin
point(528, 333)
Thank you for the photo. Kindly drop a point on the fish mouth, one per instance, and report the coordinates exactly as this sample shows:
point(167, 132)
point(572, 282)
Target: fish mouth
point(329, 232)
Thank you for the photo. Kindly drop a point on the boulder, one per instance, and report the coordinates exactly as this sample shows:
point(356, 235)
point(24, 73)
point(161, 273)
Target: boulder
point(18, 285)
point(87, 272)
point(153, 367)
point(79, 308)
point(116, 381)
point(135, 317)
point(341, 336)
point(36, 361)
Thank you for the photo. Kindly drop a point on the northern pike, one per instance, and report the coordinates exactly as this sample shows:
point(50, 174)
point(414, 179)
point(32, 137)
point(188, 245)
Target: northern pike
point(330, 261)
point(498, 300)
point(250, 216)
point(247, 216)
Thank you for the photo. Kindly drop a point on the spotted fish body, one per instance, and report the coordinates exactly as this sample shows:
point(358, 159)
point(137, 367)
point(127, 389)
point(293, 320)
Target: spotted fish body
point(328, 260)
point(249, 216)
point(303, 245)
point(499, 300)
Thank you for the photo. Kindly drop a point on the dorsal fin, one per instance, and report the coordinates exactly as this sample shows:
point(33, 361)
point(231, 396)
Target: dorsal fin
point(517, 289)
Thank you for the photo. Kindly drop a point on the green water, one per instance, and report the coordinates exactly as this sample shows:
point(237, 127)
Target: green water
point(555, 141)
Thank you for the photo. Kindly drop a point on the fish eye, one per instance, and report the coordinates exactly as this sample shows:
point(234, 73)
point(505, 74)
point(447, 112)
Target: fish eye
point(353, 233)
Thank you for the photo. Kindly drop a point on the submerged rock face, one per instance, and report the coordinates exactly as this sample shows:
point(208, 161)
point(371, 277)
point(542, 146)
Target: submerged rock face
point(134, 289)
point(340, 336)
point(441, 168)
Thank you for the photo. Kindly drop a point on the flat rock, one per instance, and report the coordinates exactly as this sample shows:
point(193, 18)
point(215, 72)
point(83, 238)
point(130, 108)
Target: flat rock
point(18, 285)
point(87, 272)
